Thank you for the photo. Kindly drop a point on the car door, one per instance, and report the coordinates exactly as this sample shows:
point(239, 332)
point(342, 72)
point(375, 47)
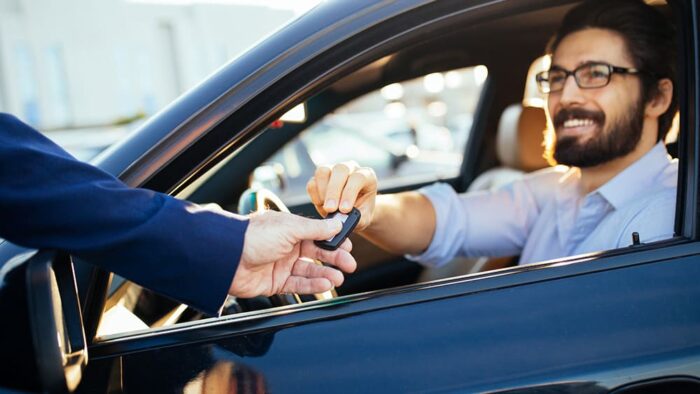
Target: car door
point(589, 323)
point(578, 324)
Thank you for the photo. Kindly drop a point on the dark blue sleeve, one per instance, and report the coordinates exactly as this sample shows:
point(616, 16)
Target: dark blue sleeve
point(48, 199)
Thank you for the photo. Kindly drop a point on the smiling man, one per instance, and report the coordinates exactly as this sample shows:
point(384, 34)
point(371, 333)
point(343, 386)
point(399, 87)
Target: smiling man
point(611, 100)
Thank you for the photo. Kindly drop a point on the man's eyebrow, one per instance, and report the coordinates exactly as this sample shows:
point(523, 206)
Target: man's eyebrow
point(594, 61)
point(579, 64)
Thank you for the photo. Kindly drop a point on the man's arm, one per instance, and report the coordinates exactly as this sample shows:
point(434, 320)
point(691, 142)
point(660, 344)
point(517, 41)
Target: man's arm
point(404, 223)
point(50, 200)
point(435, 224)
point(185, 251)
point(401, 223)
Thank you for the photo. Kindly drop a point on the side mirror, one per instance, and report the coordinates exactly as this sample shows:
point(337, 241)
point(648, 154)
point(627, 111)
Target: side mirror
point(56, 322)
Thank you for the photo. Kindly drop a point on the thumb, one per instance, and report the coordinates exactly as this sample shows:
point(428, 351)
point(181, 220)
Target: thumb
point(315, 229)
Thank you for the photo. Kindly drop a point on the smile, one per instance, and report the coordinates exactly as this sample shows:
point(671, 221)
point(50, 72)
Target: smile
point(578, 123)
point(577, 127)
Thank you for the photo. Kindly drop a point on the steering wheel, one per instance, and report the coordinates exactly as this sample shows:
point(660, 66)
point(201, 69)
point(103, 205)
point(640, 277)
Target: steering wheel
point(260, 199)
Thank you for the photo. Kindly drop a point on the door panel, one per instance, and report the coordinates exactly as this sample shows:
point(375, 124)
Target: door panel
point(595, 331)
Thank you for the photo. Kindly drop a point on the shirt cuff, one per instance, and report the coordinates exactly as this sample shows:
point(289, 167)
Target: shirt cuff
point(441, 250)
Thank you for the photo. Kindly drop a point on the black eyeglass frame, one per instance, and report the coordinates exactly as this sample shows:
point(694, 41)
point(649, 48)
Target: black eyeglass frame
point(541, 79)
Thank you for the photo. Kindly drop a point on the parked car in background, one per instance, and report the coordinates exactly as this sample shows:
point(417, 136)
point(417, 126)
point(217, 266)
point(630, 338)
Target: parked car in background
point(623, 320)
point(395, 156)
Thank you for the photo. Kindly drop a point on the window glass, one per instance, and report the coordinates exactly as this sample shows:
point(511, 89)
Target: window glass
point(406, 131)
point(415, 128)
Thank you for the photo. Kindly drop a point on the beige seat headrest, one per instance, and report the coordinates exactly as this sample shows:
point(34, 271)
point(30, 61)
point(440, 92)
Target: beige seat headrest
point(520, 136)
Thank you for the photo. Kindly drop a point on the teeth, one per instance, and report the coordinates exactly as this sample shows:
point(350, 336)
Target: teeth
point(578, 123)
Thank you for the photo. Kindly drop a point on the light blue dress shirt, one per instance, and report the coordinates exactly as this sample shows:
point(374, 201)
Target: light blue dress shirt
point(544, 215)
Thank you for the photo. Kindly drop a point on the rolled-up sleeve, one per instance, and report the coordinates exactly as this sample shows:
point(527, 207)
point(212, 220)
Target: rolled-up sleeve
point(478, 224)
point(450, 226)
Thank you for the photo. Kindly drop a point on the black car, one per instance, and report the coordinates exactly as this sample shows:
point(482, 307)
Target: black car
point(624, 320)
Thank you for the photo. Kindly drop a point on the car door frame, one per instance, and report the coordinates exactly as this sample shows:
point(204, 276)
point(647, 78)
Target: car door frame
point(187, 143)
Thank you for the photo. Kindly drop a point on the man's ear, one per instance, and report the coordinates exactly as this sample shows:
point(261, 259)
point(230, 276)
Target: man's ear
point(658, 104)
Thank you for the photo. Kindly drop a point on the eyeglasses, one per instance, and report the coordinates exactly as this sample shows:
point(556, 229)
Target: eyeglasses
point(587, 76)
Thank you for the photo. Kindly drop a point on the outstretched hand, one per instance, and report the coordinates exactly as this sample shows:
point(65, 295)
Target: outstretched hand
point(278, 252)
point(342, 187)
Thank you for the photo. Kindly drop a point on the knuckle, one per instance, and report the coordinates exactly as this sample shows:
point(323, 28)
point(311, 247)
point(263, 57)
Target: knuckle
point(358, 177)
point(369, 173)
point(311, 184)
point(351, 165)
point(322, 171)
point(341, 168)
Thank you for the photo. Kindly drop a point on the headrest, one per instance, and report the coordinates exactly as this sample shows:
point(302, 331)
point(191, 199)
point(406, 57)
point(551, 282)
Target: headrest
point(520, 136)
point(521, 128)
point(532, 97)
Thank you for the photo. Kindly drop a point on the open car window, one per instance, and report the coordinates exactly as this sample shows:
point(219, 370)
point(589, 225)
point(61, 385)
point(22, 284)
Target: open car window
point(408, 132)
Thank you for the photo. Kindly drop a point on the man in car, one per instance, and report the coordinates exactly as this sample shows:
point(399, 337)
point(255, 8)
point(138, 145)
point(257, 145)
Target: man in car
point(611, 100)
point(192, 253)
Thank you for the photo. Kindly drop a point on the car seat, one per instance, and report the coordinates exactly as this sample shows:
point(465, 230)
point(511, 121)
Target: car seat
point(519, 148)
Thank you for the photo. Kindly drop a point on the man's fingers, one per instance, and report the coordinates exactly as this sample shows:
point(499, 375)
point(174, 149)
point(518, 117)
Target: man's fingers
point(361, 180)
point(314, 229)
point(336, 184)
point(316, 199)
point(309, 269)
point(346, 245)
point(340, 258)
point(321, 178)
point(301, 285)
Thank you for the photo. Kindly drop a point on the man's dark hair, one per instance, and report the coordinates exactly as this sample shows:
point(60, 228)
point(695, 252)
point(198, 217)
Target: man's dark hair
point(648, 36)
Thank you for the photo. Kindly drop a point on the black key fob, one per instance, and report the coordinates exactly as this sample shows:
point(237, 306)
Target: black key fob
point(349, 220)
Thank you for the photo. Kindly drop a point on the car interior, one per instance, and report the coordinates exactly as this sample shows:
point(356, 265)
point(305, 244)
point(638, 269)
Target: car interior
point(482, 73)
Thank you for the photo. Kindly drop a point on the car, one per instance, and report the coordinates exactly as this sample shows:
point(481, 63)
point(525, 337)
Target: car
point(624, 320)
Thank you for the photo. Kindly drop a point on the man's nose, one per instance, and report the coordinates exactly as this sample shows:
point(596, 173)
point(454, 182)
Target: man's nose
point(571, 92)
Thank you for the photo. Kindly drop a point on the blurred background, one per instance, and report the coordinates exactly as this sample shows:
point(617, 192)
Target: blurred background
point(88, 72)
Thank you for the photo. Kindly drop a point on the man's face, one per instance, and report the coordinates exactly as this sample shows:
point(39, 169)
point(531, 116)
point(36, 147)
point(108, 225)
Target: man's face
point(595, 126)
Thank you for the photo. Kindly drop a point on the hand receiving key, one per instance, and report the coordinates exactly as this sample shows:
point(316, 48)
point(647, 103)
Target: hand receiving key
point(342, 187)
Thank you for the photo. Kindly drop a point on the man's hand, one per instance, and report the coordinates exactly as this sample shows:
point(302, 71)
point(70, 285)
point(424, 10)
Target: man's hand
point(343, 186)
point(384, 220)
point(277, 254)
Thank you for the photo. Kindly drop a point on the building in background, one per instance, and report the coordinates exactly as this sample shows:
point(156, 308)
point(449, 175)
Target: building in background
point(89, 65)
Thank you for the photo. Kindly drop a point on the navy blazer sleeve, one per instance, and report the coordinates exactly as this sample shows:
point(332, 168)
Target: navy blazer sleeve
point(48, 199)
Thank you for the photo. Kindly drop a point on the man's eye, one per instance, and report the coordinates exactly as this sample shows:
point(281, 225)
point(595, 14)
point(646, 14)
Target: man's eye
point(556, 78)
point(597, 72)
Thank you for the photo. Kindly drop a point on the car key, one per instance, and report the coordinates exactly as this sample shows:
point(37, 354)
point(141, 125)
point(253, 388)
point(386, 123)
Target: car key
point(349, 220)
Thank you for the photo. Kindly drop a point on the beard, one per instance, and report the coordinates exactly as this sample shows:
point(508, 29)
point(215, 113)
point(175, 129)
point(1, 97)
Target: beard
point(616, 140)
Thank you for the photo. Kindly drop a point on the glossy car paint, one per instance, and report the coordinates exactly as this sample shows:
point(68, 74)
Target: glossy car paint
point(593, 325)
point(586, 327)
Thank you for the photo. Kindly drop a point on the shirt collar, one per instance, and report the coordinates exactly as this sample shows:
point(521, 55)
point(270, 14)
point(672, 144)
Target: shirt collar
point(636, 180)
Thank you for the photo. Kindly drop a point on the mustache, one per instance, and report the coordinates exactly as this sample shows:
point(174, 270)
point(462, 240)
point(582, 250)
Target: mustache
point(577, 113)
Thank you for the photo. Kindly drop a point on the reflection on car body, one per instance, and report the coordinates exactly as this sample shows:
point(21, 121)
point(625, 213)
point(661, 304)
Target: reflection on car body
point(624, 319)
